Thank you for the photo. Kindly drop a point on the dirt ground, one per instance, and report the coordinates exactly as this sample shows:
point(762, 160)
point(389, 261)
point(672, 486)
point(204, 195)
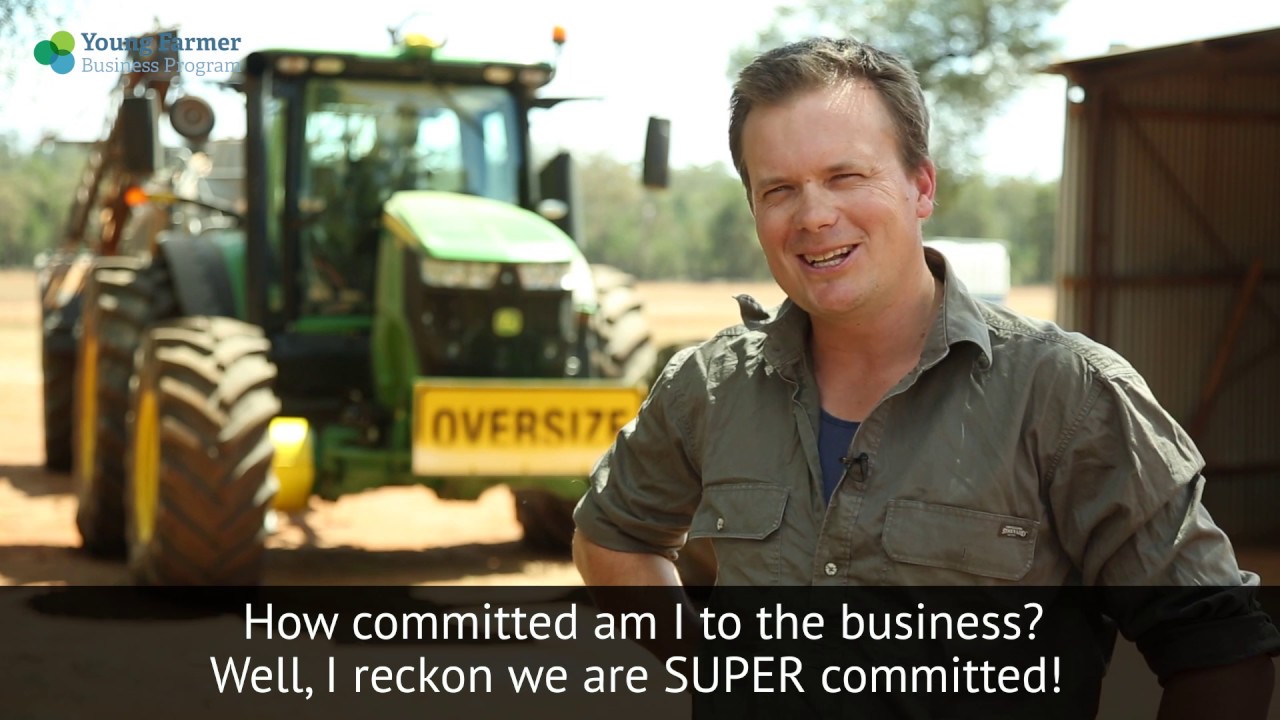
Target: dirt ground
point(690, 311)
point(394, 536)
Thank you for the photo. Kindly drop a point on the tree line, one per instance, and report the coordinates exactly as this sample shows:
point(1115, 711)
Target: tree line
point(700, 228)
point(36, 187)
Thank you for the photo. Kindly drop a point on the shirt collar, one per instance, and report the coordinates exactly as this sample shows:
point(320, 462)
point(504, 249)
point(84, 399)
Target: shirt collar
point(786, 327)
point(961, 319)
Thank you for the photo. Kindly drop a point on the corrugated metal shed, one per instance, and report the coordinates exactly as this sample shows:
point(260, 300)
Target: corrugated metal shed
point(1169, 246)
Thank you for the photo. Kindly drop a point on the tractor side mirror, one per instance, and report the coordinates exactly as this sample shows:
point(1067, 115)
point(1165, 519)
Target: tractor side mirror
point(657, 153)
point(559, 202)
point(139, 149)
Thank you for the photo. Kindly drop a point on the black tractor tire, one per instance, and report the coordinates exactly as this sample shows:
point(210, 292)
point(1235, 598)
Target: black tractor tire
point(623, 349)
point(59, 367)
point(119, 299)
point(210, 486)
point(58, 362)
point(547, 520)
point(624, 344)
point(628, 352)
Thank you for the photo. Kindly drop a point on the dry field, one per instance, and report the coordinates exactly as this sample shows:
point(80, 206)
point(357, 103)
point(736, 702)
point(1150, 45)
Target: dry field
point(680, 311)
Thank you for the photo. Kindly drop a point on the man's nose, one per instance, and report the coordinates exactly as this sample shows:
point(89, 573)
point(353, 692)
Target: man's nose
point(817, 208)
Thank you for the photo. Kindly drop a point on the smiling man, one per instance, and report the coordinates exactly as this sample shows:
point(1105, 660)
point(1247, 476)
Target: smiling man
point(882, 426)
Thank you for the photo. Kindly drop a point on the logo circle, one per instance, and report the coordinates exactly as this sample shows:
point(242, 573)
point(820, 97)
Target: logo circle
point(63, 64)
point(63, 42)
point(45, 52)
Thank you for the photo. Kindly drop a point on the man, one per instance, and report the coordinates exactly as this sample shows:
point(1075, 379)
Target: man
point(883, 427)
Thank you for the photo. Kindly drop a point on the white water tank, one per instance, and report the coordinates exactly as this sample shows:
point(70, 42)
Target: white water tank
point(982, 265)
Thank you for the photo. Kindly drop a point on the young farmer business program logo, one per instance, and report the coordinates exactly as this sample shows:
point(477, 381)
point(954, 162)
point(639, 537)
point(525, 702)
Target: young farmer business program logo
point(56, 52)
point(158, 53)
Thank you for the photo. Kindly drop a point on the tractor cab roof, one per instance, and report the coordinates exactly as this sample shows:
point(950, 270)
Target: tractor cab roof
point(408, 64)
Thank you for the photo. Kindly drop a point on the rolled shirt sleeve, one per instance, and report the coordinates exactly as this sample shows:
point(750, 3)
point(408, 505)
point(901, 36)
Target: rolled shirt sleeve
point(1126, 488)
point(644, 490)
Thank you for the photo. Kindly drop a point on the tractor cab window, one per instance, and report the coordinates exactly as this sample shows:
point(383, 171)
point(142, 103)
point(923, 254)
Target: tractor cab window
point(364, 141)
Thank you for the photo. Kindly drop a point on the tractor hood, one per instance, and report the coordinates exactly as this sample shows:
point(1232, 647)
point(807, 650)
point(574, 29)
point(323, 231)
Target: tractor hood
point(450, 226)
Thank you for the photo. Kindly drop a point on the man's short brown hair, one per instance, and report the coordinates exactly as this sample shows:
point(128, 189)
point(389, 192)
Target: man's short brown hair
point(778, 75)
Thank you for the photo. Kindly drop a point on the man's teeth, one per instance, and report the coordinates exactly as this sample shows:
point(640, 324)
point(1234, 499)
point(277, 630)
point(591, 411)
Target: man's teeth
point(829, 258)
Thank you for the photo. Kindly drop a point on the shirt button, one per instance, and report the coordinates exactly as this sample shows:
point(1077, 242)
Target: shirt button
point(830, 569)
point(719, 523)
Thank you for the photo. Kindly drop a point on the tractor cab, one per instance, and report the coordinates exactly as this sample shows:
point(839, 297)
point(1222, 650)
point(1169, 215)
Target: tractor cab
point(361, 142)
point(392, 229)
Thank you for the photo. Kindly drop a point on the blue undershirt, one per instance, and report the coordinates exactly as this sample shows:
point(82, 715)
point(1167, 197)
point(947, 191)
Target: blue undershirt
point(834, 438)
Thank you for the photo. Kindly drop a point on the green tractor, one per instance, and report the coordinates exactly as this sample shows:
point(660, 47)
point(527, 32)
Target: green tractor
point(393, 296)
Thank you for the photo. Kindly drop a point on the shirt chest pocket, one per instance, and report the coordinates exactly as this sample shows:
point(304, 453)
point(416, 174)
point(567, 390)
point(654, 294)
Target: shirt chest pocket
point(742, 519)
point(929, 544)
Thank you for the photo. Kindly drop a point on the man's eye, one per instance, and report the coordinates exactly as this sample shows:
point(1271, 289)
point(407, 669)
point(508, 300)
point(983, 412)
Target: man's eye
point(844, 177)
point(775, 191)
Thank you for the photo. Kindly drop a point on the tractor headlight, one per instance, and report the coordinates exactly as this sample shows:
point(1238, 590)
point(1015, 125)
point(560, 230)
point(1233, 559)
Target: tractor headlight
point(543, 276)
point(451, 274)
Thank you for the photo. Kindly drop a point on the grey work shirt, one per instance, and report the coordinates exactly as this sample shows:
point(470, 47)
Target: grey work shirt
point(1015, 452)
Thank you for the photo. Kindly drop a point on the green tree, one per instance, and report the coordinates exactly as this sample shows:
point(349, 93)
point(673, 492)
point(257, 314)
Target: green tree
point(734, 252)
point(1020, 211)
point(613, 204)
point(966, 207)
point(35, 192)
point(699, 228)
point(971, 55)
point(1030, 218)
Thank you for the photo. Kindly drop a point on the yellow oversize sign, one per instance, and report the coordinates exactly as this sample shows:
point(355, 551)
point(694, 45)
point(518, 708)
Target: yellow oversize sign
point(503, 428)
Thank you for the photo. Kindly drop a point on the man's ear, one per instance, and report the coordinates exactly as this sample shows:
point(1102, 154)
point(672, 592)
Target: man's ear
point(925, 179)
